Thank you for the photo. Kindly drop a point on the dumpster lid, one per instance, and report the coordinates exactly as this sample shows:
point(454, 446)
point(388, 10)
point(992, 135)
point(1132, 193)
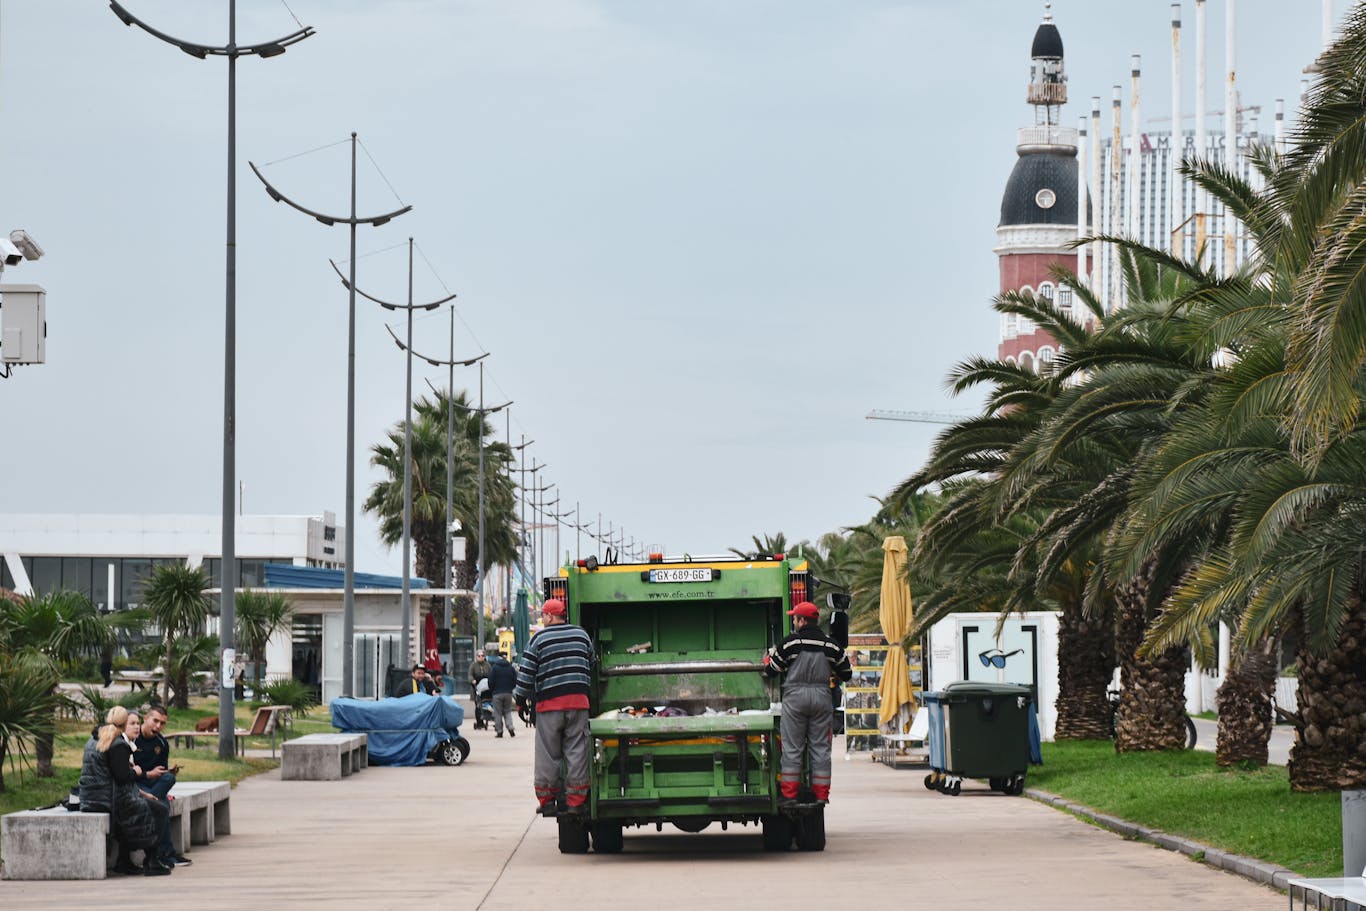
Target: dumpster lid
point(977, 688)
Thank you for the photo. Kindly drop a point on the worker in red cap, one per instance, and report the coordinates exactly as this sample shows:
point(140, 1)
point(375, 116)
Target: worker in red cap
point(553, 671)
point(807, 658)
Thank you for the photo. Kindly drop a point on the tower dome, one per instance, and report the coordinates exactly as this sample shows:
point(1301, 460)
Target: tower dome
point(1042, 190)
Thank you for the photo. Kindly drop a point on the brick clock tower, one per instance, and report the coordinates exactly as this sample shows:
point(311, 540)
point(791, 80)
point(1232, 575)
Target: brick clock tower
point(1039, 207)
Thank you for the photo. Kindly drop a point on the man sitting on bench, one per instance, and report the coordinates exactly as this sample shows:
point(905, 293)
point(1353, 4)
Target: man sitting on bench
point(151, 755)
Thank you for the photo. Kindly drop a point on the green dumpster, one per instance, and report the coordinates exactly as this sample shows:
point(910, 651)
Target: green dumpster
point(986, 734)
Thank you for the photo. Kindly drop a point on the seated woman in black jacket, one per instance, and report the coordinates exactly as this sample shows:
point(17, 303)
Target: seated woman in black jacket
point(108, 786)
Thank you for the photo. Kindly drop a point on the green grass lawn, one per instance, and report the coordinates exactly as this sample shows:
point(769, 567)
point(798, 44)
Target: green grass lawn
point(1183, 793)
point(23, 790)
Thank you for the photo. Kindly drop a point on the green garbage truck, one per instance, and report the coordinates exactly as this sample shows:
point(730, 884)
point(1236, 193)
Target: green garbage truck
point(684, 726)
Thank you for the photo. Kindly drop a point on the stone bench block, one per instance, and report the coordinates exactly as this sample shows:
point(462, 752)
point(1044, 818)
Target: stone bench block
point(323, 757)
point(53, 844)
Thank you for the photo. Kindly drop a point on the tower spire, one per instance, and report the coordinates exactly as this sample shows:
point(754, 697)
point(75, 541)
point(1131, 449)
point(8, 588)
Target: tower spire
point(1047, 78)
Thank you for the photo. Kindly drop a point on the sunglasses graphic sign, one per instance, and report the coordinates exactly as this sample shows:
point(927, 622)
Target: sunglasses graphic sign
point(996, 658)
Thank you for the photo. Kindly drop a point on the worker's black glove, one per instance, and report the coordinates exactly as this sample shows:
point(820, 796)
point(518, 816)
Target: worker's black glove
point(521, 704)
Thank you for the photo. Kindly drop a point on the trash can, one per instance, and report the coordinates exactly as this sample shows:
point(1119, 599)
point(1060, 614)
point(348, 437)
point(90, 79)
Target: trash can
point(934, 705)
point(986, 734)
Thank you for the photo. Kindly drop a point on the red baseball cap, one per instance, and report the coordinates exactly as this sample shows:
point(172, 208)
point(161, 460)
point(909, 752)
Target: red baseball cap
point(805, 609)
point(554, 607)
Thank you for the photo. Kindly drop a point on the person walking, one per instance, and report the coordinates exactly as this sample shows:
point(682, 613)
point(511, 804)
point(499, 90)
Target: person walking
point(502, 681)
point(554, 672)
point(156, 776)
point(806, 659)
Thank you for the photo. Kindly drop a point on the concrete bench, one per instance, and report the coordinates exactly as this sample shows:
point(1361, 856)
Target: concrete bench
point(323, 757)
point(59, 844)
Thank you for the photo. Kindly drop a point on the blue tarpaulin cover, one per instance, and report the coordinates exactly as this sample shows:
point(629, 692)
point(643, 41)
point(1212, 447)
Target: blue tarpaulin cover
point(401, 731)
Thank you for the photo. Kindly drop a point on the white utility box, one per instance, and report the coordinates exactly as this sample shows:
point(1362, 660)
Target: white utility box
point(23, 324)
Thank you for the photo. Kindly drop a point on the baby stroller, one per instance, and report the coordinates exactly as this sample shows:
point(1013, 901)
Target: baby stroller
point(483, 706)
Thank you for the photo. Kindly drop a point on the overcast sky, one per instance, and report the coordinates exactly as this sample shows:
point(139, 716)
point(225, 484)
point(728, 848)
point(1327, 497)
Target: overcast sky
point(701, 238)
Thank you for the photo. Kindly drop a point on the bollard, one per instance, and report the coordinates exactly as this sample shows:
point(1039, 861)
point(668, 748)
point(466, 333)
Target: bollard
point(1354, 833)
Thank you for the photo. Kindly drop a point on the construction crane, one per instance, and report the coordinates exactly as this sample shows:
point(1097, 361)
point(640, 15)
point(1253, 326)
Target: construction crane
point(923, 417)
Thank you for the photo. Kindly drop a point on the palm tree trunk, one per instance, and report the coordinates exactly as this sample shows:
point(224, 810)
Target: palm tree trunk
point(1244, 701)
point(1086, 661)
point(1330, 744)
point(166, 670)
point(182, 689)
point(42, 754)
point(1152, 708)
point(462, 610)
point(4, 750)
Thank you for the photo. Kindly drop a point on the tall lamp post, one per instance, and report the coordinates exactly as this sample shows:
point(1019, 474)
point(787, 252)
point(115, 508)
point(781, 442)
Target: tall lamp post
point(227, 745)
point(349, 575)
point(526, 530)
point(405, 600)
point(548, 566)
point(521, 500)
point(483, 559)
point(450, 364)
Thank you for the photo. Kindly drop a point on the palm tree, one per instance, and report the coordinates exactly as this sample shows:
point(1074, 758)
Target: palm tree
point(175, 598)
point(986, 547)
point(40, 633)
point(260, 615)
point(428, 516)
point(28, 706)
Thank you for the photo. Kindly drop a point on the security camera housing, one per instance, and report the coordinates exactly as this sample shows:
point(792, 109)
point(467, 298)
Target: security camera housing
point(26, 244)
point(12, 255)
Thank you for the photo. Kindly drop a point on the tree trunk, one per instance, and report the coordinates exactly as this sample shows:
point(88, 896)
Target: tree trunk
point(166, 671)
point(1330, 744)
point(462, 609)
point(1152, 708)
point(4, 750)
point(42, 754)
point(182, 690)
point(1244, 701)
point(1086, 661)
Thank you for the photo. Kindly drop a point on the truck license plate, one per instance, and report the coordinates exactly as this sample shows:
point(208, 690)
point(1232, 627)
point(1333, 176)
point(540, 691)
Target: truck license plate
point(700, 574)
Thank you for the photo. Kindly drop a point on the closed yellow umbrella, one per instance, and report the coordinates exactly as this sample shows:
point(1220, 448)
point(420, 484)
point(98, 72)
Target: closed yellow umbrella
point(895, 615)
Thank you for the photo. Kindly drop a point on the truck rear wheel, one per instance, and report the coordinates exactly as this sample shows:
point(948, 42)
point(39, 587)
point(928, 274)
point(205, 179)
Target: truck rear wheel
point(777, 832)
point(573, 836)
point(811, 831)
point(607, 837)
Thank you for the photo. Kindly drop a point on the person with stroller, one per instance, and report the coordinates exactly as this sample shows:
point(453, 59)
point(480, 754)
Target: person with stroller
point(502, 681)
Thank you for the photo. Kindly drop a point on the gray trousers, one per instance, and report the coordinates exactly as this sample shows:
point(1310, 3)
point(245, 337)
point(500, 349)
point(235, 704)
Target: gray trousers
point(807, 716)
point(503, 707)
point(562, 739)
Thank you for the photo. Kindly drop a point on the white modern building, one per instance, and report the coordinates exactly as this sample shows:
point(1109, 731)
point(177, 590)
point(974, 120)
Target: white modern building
point(109, 557)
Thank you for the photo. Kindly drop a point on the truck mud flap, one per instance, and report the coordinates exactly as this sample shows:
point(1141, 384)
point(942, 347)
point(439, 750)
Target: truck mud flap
point(740, 802)
point(628, 803)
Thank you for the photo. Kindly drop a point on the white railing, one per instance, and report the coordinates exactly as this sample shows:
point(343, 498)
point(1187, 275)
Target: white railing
point(1047, 136)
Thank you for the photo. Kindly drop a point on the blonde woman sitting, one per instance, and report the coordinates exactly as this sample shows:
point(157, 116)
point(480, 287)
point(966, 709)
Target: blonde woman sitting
point(108, 786)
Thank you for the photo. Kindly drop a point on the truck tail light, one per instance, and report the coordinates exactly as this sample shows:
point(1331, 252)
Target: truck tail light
point(799, 587)
point(557, 588)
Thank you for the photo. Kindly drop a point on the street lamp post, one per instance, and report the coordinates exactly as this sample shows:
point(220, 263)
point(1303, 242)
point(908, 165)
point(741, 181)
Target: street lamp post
point(227, 744)
point(551, 565)
point(349, 574)
point(521, 500)
point(405, 599)
point(483, 560)
point(540, 531)
point(450, 363)
point(527, 530)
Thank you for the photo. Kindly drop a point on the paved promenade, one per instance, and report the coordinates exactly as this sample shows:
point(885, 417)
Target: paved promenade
point(466, 838)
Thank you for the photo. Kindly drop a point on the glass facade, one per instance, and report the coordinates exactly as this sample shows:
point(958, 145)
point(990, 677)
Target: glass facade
point(91, 575)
